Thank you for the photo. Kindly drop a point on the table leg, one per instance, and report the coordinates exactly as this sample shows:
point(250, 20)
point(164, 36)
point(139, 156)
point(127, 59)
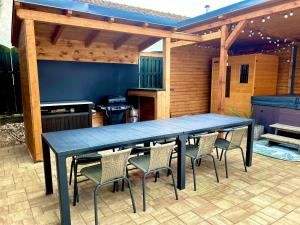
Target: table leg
point(64, 201)
point(47, 168)
point(181, 161)
point(249, 144)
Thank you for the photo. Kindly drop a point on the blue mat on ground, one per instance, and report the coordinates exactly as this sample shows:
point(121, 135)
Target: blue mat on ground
point(283, 152)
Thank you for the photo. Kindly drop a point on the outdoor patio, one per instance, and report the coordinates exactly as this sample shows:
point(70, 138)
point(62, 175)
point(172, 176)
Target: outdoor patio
point(268, 194)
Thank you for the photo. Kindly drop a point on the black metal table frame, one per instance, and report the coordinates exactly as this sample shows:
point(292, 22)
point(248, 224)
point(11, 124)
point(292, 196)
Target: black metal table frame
point(61, 166)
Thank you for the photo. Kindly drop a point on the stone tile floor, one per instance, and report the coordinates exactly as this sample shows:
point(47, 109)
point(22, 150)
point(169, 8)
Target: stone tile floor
point(268, 194)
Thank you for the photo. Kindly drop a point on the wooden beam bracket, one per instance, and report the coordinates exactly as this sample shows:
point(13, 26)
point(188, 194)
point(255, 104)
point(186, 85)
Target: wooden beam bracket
point(235, 33)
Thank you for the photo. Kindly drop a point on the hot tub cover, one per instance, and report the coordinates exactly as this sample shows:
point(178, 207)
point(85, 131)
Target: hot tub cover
point(291, 102)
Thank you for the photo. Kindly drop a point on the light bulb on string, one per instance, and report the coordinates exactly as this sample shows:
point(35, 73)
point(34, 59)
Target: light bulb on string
point(268, 17)
point(252, 21)
point(286, 16)
point(263, 20)
point(291, 13)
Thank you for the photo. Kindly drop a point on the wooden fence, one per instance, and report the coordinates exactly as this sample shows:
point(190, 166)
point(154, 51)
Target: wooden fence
point(10, 90)
point(150, 72)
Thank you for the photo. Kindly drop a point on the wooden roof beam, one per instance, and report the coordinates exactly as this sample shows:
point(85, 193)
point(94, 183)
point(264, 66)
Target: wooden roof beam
point(118, 43)
point(205, 37)
point(103, 25)
point(91, 38)
point(59, 29)
point(147, 43)
point(247, 16)
point(235, 33)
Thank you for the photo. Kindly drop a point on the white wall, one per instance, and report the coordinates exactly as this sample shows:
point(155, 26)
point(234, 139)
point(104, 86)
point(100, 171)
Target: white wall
point(5, 22)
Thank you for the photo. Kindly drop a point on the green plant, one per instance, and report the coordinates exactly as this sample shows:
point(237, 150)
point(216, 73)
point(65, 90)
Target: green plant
point(239, 114)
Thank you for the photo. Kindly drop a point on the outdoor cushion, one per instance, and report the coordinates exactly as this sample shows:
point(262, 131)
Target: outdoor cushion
point(191, 151)
point(222, 143)
point(93, 173)
point(140, 162)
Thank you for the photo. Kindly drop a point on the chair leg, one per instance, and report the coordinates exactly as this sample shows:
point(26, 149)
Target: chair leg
point(131, 195)
point(144, 192)
point(199, 161)
point(156, 176)
point(71, 170)
point(75, 195)
point(95, 205)
point(217, 151)
point(194, 175)
point(221, 155)
point(243, 159)
point(216, 171)
point(226, 168)
point(192, 163)
point(174, 185)
point(170, 163)
point(127, 176)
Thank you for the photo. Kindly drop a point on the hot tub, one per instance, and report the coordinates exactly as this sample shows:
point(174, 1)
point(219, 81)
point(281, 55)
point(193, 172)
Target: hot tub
point(276, 109)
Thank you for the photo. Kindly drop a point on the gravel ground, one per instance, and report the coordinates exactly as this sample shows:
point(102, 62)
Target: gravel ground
point(12, 134)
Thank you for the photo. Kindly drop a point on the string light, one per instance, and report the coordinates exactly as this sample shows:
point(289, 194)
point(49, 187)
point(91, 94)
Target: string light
point(263, 20)
point(252, 21)
point(268, 17)
point(291, 13)
point(286, 16)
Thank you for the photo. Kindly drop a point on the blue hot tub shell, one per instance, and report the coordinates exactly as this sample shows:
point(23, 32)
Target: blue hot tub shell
point(268, 110)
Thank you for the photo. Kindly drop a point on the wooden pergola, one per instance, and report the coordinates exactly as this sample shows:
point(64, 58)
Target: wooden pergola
point(46, 33)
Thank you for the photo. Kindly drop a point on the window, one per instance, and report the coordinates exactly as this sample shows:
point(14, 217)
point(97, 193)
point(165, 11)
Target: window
point(244, 73)
point(228, 78)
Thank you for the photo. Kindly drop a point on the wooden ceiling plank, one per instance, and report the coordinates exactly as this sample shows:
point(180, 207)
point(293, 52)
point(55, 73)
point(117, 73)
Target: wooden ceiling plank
point(120, 41)
point(91, 38)
point(235, 33)
point(246, 16)
point(102, 25)
point(147, 43)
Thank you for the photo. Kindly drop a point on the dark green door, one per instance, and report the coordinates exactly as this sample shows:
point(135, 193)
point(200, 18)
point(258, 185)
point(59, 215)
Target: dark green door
point(150, 72)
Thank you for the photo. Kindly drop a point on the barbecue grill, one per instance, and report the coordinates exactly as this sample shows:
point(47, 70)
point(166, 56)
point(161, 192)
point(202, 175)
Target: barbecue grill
point(115, 108)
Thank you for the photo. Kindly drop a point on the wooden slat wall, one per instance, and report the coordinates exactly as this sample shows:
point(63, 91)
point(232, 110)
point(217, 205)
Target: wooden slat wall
point(240, 94)
point(283, 86)
point(266, 73)
point(190, 80)
point(30, 90)
point(262, 80)
point(71, 50)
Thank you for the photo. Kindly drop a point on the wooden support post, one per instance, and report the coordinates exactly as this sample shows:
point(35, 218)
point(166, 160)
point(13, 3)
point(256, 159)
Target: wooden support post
point(222, 70)
point(235, 33)
point(147, 43)
point(118, 43)
point(30, 89)
point(91, 38)
point(166, 75)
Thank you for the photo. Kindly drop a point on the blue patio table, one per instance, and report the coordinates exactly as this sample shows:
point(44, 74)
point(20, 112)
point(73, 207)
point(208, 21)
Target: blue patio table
point(69, 143)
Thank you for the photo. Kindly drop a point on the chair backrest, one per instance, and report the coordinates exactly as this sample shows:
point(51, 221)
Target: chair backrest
point(114, 164)
point(206, 143)
point(160, 156)
point(237, 137)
